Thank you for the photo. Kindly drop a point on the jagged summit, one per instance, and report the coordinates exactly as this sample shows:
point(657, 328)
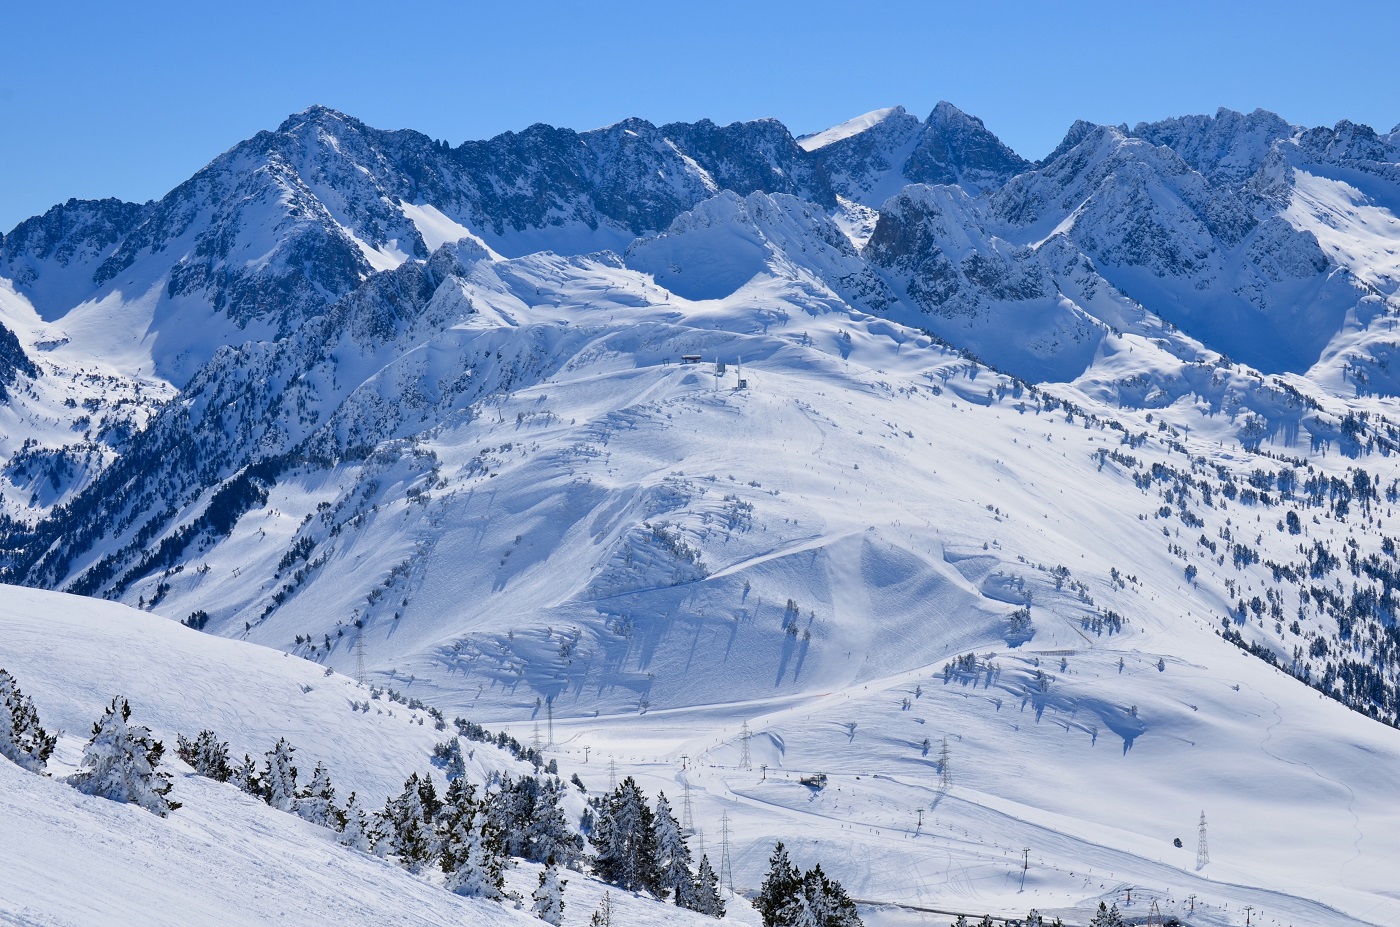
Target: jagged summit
point(1228, 147)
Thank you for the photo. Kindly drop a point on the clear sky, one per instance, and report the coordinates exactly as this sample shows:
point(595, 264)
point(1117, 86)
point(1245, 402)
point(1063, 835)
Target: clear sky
point(129, 99)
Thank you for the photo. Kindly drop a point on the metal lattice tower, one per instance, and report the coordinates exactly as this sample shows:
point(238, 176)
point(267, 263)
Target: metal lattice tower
point(744, 760)
point(726, 871)
point(1202, 851)
point(535, 739)
point(612, 774)
point(687, 817)
point(549, 713)
point(360, 657)
point(945, 774)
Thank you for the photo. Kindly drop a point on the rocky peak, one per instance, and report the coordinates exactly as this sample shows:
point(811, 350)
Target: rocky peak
point(956, 148)
point(1081, 130)
point(1227, 147)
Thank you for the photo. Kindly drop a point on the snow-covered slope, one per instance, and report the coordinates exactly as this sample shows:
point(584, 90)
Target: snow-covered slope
point(996, 416)
point(223, 857)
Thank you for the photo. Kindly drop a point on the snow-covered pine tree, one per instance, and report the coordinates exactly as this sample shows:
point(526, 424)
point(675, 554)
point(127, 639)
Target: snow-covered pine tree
point(245, 776)
point(707, 896)
point(673, 856)
point(206, 754)
point(428, 798)
point(603, 916)
point(409, 829)
point(460, 812)
point(120, 762)
point(534, 822)
point(798, 912)
point(354, 829)
point(625, 836)
point(548, 896)
point(279, 777)
point(316, 803)
point(1107, 916)
point(780, 886)
point(829, 900)
point(472, 851)
point(22, 739)
point(448, 756)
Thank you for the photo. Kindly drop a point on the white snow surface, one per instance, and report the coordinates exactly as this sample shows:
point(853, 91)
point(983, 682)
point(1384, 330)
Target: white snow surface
point(848, 128)
point(74, 860)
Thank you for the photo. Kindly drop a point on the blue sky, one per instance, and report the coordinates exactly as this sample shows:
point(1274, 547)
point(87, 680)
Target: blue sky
point(127, 100)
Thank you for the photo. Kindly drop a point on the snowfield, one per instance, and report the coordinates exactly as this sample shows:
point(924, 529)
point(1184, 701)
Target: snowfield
point(73, 860)
point(880, 459)
point(1215, 731)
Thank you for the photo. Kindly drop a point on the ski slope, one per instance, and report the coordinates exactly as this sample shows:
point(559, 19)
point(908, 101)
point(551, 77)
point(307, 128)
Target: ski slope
point(74, 860)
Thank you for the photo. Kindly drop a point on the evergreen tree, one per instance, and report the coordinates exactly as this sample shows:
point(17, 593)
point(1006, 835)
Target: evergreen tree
point(673, 856)
point(625, 836)
point(316, 803)
point(707, 896)
point(459, 814)
point(279, 777)
point(428, 799)
point(826, 902)
point(549, 896)
point(810, 899)
point(22, 739)
point(472, 848)
point(1107, 917)
point(798, 912)
point(206, 754)
point(540, 829)
point(603, 916)
point(781, 885)
point(448, 756)
point(407, 827)
point(120, 762)
point(355, 830)
point(245, 776)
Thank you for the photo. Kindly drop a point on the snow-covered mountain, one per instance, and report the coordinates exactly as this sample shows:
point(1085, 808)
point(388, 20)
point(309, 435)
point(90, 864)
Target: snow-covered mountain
point(363, 396)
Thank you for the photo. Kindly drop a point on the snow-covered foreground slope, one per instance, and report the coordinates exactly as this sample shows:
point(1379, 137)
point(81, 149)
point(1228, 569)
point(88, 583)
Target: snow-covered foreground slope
point(1095, 793)
point(74, 860)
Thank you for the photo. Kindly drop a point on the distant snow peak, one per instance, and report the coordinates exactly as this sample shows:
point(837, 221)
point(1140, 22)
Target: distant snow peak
point(848, 128)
